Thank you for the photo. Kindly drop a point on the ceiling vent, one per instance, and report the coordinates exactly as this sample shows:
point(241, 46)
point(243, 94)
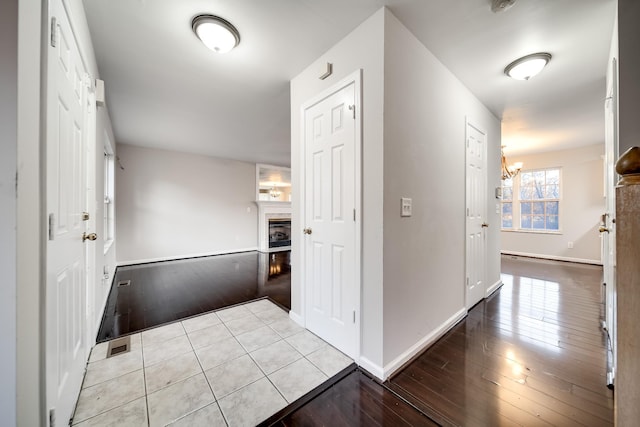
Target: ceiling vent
point(501, 5)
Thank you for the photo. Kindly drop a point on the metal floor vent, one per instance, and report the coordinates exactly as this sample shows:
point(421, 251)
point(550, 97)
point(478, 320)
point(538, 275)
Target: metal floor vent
point(119, 346)
point(124, 283)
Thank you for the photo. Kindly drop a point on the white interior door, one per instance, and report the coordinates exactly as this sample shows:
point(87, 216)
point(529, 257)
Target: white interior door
point(66, 202)
point(609, 230)
point(331, 287)
point(476, 201)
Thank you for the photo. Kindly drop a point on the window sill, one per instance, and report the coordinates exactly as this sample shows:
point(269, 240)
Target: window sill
point(107, 246)
point(514, 230)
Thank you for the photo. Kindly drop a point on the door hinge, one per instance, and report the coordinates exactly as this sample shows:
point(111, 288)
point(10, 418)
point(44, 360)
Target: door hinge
point(52, 417)
point(354, 316)
point(353, 110)
point(467, 282)
point(52, 223)
point(354, 215)
point(54, 40)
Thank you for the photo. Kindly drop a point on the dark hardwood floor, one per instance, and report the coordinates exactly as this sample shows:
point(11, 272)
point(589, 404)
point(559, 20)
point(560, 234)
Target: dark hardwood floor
point(164, 292)
point(355, 400)
point(531, 354)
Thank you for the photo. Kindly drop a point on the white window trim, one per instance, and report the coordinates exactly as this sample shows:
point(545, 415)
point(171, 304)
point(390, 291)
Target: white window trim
point(515, 206)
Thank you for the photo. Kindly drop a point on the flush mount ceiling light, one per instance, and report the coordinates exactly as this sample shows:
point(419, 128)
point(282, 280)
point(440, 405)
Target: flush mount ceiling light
point(216, 33)
point(501, 5)
point(528, 66)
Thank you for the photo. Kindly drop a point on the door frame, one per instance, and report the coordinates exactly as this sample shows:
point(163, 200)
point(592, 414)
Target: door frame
point(356, 79)
point(470, 122)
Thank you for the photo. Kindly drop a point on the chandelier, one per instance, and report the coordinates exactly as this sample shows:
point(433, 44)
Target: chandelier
point(274, 192)
point(509, 171)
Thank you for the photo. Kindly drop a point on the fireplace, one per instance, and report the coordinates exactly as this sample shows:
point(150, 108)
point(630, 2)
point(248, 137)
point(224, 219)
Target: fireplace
point(279, 232)
point(274, 226)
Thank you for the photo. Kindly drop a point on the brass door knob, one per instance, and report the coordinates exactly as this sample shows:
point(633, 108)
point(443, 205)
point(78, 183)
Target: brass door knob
point(603, 229)
point(307, 230)
point(90, 236)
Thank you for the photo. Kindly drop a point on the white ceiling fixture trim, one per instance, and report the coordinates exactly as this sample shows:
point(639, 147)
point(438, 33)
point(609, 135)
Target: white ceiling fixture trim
point(528, 66)
point(216, 33)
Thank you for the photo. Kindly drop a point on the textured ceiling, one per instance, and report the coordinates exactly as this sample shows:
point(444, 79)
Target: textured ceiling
point(166, 90)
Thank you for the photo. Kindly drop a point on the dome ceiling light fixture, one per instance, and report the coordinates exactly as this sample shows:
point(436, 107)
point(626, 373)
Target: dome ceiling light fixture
point(501, 5)
point(528, 66)
point(216, 33)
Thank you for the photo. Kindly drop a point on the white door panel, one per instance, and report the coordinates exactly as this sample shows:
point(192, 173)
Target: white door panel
point(609, 236)
point(330, 279)
point(476, 195)
point(66, 201)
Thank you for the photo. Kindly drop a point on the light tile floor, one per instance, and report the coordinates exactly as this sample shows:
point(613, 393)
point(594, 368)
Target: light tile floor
point(235, 366)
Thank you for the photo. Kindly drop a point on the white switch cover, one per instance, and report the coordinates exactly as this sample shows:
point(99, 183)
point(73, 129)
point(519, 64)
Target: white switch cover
point(405, 206)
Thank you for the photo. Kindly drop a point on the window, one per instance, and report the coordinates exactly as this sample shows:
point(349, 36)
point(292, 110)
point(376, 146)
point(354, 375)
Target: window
point(109, 208)
point(537, 203)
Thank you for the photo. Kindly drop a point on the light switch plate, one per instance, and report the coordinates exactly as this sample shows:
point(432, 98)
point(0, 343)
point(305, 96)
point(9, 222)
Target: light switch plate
point(405, 206)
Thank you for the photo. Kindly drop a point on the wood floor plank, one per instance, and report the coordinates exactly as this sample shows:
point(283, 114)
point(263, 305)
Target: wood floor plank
point(533, 353)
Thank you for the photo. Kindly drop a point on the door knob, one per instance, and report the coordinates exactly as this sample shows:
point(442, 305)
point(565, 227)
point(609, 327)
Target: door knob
point(90, 236)
point(603, 229)
point(485, 225)
point(307, 230)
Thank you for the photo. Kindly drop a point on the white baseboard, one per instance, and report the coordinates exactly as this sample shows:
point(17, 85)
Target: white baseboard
point(425, 342)
point(296, 318)
point(375, 370)
point(493, 288)
point(553, 257)
point(177, 257)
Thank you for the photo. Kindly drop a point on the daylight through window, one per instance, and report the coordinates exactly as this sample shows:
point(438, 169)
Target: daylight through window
point(531, 201)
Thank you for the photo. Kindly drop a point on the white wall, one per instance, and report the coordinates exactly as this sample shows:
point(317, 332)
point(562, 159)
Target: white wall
point(8, 206)
point(425, 108)
point(172, 205)
point(361, 49)
point(414, 113)
point(582, 203)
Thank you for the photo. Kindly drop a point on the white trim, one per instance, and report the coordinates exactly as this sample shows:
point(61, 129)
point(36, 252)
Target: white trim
point(178, 257)
point(424, 342)
point(491, 289)
point(354, 78)
point(375, 370)
point(553, 257)
point(296, 318)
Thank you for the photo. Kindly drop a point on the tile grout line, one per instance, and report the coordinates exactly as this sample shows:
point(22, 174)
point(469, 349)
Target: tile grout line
point(216, 400)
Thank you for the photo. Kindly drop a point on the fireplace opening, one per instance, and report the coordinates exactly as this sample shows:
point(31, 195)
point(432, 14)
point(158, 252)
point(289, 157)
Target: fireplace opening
point(279, 232)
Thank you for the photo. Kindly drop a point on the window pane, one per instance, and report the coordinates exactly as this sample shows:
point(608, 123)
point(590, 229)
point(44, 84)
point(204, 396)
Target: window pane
point(507, 193)
point(507, 208)
point(507, 222)
point(525, 208)
point(552, 208)
point(538, 222)
point(538, 208)
point(552, 192)
point(525, 178)
point(553, 176)
point(538, 176)
point(552, 222)
point(525, 221)
point(538, 191)
point(526, 193)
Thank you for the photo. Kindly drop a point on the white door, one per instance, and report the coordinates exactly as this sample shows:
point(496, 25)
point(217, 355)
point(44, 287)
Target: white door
point(331, 288)
point(66, 201)
point(476, 192)
point(609, 230)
